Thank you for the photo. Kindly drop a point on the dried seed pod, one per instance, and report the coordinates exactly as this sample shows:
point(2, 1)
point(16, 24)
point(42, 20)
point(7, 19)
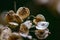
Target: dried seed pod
point(42, 34)
point(23, 12)
point(9, 16)
point(3, 18)
point(24, 29)
point(15, 36)
point(1, 29)
point(39, 18)
point(5, 33)
point(17, 19)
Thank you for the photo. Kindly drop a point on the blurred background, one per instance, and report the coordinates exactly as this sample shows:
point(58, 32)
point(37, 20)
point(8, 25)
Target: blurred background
point(35, 8)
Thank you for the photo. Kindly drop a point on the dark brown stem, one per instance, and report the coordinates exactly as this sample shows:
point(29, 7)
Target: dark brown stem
point(15, 6)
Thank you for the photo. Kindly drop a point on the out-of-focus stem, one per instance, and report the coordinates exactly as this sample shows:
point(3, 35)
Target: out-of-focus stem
point(15, 6)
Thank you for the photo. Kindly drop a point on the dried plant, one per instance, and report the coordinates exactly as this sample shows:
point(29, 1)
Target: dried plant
point(16, 20)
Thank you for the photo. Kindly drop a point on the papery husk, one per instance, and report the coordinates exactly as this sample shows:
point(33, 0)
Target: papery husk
point(23, 12)
point(15, 36)
point(9, 16)
point(17, 19)
point(42, 34)
point(38, 18)
point(6, 33)
point(24, 29)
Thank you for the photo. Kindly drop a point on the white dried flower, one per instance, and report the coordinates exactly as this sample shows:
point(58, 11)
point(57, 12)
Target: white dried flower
point(42, 25)
point(28, 24)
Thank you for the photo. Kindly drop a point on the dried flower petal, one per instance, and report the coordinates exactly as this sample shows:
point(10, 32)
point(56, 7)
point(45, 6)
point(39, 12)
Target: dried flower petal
point(42, 25)
point(28, 24)
point(12, 23)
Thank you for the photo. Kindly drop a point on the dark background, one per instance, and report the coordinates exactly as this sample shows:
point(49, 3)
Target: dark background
point(54, 27)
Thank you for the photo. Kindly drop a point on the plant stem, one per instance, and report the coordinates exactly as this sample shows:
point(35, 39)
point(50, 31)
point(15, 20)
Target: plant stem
point(15, 6)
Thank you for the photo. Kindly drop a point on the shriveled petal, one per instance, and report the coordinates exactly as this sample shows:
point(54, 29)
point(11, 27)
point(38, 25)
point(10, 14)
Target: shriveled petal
point(28, 24)
point(13, 23)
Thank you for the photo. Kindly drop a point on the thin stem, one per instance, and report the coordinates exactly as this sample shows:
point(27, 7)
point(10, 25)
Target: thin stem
point(15, 6)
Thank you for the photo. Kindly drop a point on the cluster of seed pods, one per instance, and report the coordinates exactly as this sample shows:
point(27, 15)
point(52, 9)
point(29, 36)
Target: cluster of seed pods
point(15, 20)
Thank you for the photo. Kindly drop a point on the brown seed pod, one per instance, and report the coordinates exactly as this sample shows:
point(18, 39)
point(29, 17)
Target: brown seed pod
point(39, 18)
point(9, 16)
point(42, 34)
point(17, 19)
point(24, 29)
point(23, 12)
point(1, 29)
point(5, 33)
point(15, 36)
